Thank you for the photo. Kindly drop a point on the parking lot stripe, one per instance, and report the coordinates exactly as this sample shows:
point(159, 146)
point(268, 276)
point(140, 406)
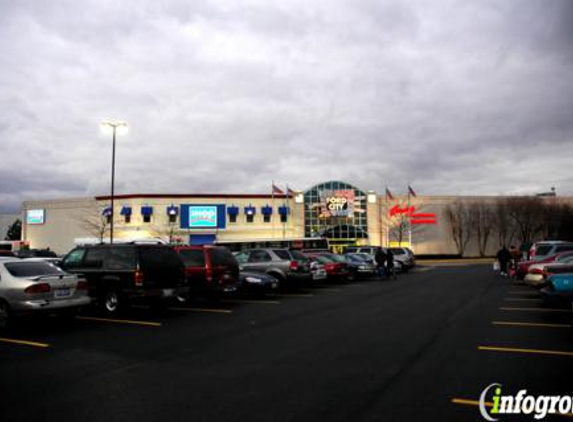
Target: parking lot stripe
point(208, 310)
point(470, 402)
point(527, 351)
point(24, 342)
point(530, 324)
point(120, 321)
point(535, 309)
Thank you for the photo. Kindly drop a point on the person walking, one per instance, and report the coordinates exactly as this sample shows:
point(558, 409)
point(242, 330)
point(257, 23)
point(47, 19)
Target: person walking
point(390, 265)
point(503, 256)
point(380, 259)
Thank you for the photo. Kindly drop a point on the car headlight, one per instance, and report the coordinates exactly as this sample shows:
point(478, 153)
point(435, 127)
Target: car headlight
point(362, 267)
point(253, 280)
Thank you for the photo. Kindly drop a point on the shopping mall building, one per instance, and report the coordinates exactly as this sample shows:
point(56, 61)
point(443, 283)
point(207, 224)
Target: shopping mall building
point(342, 213)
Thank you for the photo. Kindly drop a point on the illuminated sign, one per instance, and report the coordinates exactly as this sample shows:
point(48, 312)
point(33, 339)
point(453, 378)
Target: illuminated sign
point(337, 203)
point(202, 216)
point(35, 217)
point(410, 212)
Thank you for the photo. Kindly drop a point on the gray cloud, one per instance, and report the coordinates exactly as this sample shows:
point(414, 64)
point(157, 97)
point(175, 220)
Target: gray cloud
point(455, 97)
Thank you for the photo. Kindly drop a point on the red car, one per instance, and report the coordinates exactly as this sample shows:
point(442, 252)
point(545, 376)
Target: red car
point(209, 268)
point(335, 267)
point(523, 267)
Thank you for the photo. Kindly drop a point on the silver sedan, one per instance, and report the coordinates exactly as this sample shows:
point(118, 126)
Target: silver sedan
point(29, 287)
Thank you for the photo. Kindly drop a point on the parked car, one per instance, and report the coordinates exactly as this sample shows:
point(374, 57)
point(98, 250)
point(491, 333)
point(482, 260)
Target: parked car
point(559, 288)
point(523, 267)
point(405, 257)
point(335, 265)
point(317, 270)
point(360, 265)
point(537, 272)
point(541, 250)
point(209, 268)
point(28, 287)
point(55, 261)
point(34, 253)
point(5, 253)
point(118, 275)
point(288, 266)
point(253, 282)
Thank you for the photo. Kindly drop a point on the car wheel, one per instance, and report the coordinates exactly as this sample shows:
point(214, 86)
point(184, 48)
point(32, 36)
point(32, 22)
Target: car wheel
point(111, 302)
point(5, 316)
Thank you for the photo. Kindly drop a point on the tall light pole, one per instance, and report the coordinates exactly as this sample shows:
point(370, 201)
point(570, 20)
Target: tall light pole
point(119, 127)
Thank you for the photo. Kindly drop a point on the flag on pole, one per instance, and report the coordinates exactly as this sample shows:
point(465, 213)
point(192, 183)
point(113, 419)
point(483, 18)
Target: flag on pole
point(276, 190)
point(411, 191)
point(389, 195)
point(290, 192)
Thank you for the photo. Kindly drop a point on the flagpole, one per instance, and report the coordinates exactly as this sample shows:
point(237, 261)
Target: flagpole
point(273, 205)
point(409, 219)
point(286, 202)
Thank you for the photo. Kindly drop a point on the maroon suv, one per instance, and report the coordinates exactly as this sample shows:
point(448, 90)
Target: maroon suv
point(209, 268)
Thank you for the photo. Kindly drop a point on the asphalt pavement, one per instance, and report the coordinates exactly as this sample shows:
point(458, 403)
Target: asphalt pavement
point(421, 348)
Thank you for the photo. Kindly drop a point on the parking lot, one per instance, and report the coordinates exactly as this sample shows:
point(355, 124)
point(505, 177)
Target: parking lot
point(420, 348)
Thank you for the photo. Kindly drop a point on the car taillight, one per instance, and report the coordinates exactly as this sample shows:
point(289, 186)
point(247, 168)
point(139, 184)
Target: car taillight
point(139, 278)
point(293, 265)
point(82, 285)
point(536, 271)
point(37, 289)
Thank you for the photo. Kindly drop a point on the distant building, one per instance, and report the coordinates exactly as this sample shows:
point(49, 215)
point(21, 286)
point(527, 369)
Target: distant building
point(335, 210)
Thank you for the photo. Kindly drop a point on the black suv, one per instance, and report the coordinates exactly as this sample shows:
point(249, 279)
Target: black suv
point(120, 274)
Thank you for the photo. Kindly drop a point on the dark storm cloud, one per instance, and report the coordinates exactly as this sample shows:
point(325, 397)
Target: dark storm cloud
point(455, 97)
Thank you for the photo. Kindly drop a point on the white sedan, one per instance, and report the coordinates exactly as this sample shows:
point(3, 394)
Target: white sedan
point(29, 287)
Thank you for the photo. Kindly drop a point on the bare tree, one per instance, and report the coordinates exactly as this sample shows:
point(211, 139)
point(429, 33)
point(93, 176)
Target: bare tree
point(483, 219)
point(93, 221)
point(461, 225)
point(170, 232)
point(527, 213)
point(398, 221)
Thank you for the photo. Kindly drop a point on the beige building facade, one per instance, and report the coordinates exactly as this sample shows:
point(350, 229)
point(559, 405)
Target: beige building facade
point(338, 211)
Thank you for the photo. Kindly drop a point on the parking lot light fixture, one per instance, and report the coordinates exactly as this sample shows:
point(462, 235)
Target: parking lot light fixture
point(113, 127)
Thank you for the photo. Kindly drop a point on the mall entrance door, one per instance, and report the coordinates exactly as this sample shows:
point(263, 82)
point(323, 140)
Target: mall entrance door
point(343, 236)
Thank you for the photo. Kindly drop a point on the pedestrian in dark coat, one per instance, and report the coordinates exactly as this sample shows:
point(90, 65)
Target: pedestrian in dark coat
point(380, 258)
point(390, 264)
point(503, 256)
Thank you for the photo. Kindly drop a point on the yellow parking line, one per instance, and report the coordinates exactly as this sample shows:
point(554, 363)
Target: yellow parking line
point(535, 309)
point(262, 302)
point(120, 321)
point(208, 310)
point(528, 351)
point(530, 324)
point(24, 342)
point(471, 402)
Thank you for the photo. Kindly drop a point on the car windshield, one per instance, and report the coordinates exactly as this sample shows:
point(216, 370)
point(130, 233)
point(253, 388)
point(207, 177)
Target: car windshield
point(323, 259)
point(358, 258)
point(299, 256)
point(397, 251)
point(337, 258)
point(543, 250)
point(32, 269)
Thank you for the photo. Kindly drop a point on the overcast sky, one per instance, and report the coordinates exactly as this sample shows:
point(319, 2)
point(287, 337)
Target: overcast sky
point(456, 97)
